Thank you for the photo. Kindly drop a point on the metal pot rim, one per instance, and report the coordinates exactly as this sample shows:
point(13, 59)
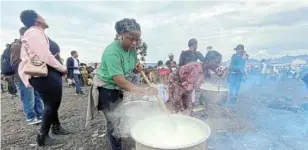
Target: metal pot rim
point(137, 101)
point(134, 136)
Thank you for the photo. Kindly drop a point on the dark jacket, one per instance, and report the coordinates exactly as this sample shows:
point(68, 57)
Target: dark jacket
point(168, 63)
point(55, 50)
point(70, 67)
point(190, 56)
point(15, 58)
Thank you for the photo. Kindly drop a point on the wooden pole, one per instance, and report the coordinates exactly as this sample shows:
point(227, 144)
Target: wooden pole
point(160, 102)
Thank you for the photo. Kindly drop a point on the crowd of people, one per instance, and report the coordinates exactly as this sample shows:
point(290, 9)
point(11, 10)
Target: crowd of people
point(281, 73)
point(34, 62)
point(79, 74)
point(33, 65)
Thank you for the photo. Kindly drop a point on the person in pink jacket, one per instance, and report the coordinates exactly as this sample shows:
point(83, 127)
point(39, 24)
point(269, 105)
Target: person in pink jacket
point(36, 43)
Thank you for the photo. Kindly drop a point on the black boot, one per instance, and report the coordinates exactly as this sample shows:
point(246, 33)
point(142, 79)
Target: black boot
point(46, 140)
point(58, 130)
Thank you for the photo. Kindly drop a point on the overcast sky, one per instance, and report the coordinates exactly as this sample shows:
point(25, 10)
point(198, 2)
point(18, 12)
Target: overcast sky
point(267, 29)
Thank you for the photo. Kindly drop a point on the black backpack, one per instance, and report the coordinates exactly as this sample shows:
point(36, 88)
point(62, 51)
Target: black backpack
point(6, 68)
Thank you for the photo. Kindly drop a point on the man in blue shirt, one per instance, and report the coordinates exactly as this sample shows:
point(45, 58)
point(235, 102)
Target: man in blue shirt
point(236, 72)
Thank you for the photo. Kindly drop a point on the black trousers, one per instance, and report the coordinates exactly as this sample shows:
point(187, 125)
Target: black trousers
point(109, 100)
point(50, 90)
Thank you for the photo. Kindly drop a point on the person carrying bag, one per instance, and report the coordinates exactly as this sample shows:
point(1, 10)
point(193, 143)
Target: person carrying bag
point(41, 70)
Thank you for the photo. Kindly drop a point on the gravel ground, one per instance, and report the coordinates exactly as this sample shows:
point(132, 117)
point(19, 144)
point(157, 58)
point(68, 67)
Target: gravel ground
point(250, 124)
point(16, 135)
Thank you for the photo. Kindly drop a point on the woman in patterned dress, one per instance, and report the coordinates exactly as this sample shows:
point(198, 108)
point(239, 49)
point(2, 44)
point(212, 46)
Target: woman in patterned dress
point(189, 77)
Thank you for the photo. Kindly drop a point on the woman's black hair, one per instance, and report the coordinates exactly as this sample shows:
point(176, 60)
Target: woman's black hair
point(28, 18)
point(212, 55)
point(127, 25)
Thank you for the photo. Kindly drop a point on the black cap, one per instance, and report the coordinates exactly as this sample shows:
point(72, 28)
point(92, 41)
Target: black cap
point(239, 47)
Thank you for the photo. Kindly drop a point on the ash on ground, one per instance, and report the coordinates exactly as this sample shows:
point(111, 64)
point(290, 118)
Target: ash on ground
point(252, 123)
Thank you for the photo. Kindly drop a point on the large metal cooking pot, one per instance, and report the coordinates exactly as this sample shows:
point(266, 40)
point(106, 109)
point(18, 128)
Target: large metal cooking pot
point(143, 127)
point(134, 111)
point(214, 96)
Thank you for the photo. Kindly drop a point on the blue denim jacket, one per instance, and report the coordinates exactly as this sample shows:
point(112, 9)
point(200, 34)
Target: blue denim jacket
point(237, 64)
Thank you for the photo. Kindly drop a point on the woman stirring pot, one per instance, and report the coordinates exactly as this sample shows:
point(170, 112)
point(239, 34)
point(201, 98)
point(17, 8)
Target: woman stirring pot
point(118, 62)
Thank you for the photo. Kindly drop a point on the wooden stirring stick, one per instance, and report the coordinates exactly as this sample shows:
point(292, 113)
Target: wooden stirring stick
point(161, 104)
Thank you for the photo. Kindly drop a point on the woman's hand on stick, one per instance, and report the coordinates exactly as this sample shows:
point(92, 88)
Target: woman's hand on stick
point(151, 91)
point(139, 67)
